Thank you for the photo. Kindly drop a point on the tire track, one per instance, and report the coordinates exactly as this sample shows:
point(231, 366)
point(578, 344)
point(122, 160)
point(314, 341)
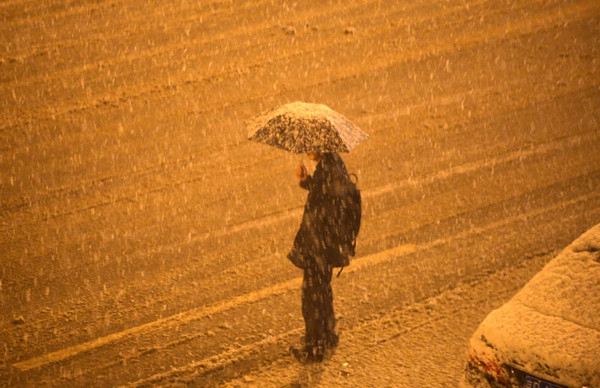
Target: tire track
point(381, 191)
point(372, 195)
point(501, 34)
point(120, 96)
point(358, 265)
point(212, 41)
point(89, 185)
point(207, 111)
point(370, 244)
point(292, 284)
point(114, 98)
point(373, 335)
point(39, 16)
point(390, 207)
point(234, 34)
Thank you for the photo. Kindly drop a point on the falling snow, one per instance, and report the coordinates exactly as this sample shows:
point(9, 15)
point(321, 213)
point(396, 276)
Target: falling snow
point(143, 238)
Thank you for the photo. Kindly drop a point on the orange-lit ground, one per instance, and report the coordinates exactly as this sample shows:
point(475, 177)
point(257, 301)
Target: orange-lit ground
point(143, 239)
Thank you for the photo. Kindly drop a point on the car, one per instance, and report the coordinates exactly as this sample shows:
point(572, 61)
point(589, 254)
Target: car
point(548, 334)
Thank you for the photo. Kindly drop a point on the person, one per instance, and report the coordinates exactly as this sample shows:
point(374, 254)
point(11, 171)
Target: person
point(315, 245)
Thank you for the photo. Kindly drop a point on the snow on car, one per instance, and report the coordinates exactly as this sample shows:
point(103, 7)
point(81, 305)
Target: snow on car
point(548, 334)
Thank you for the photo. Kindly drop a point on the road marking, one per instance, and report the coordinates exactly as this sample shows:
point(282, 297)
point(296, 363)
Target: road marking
point(280, 288)
point(196, 314)
point(365, 335)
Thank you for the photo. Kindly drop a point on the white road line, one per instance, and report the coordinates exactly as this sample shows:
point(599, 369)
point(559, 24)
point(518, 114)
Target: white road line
point(216, 362)
point(292, 284)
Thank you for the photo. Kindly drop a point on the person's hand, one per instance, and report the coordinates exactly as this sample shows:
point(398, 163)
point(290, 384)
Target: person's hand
point(301, 172)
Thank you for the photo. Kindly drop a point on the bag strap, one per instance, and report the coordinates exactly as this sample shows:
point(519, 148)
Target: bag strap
point(338, 275)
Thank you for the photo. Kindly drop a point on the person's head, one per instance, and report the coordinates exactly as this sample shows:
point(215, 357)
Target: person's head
point(314, 156)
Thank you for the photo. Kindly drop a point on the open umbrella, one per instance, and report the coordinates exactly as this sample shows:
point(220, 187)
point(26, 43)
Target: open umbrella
point(303, 127)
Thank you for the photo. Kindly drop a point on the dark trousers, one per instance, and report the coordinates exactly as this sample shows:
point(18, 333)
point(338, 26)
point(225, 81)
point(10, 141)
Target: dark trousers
point(317, 306)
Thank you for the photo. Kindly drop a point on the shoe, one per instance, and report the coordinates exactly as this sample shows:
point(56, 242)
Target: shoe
point(308, 353)
point(332, 341)
point(319, 353)
point(304, 355)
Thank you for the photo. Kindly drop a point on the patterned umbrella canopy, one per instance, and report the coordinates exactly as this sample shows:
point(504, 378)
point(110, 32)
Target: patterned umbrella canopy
point(302, 127)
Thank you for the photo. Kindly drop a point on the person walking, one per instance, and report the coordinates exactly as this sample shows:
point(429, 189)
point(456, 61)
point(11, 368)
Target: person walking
point(317, 245)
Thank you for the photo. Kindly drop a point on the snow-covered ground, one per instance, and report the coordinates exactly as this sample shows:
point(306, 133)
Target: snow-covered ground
point(143, 238)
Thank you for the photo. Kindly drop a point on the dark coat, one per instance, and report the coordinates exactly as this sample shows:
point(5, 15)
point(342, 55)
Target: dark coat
point(319, 235)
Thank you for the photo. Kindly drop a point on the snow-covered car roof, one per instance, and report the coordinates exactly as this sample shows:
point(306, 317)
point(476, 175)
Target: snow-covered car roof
point(551, 327)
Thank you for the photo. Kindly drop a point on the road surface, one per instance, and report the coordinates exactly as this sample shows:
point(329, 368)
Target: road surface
point(143, 238)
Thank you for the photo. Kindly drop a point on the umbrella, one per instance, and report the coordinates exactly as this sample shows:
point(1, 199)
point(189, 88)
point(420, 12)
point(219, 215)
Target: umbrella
point(302, 127)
